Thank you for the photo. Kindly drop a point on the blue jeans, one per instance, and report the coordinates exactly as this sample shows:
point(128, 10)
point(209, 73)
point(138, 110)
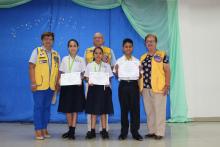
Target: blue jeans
point(42, 103)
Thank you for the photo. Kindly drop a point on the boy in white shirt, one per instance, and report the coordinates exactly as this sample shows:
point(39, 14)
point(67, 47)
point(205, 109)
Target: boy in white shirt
point(129, 96)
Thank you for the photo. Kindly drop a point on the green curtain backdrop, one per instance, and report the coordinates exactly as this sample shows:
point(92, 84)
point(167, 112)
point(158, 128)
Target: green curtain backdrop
point(178, 102)
point(160, 18)
point(12, 3)
point(149, 16)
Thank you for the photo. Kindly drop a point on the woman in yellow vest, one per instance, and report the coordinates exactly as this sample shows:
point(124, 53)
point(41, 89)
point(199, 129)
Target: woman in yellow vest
point(154, 86)
point(43, 69)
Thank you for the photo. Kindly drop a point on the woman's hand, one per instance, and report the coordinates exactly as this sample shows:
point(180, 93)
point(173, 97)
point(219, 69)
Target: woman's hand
point(166, 89)
point(33, 87)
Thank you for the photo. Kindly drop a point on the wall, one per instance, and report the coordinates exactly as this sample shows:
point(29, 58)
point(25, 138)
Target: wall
point(199, 26)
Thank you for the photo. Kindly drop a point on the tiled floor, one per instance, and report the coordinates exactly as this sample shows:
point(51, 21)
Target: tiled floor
point(199, 134)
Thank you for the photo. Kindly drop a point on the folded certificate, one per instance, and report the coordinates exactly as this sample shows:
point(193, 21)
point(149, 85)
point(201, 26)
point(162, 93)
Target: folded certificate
point(73, 78)
point(99, 78)
point(128, 69)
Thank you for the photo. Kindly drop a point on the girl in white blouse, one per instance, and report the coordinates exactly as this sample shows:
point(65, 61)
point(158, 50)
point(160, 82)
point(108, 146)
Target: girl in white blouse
point(72, 98)
point(99, 97)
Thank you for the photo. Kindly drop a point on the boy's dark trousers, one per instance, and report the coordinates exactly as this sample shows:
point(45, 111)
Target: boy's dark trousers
point(129, 98)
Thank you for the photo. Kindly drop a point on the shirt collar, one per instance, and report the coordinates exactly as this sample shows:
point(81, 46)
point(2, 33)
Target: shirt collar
point(46, 49)
point(73, 58)
point(100, 46)
point(98, 64)
point(128, 59)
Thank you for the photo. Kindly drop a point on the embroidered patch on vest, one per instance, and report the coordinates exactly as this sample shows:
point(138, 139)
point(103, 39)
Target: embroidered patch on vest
point(157, 58)
point(42, 55)
point(42, 61)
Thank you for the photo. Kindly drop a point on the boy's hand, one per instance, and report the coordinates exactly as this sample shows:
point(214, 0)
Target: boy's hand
point(140, 71)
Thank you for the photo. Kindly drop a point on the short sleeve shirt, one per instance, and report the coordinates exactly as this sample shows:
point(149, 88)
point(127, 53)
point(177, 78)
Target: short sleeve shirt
point(33, 58)
point(70, 64)
point(146, 65)
point(94, 67)
point(120, 61)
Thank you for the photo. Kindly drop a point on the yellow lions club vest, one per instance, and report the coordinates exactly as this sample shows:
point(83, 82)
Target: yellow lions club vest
point(89, 54)
point(157, 72)
point(44, 76)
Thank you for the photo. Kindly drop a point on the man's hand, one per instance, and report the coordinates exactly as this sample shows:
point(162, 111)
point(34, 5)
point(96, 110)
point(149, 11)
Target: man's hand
point(105, 59)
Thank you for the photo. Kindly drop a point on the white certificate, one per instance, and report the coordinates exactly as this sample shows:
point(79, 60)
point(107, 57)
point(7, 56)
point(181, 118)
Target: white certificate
point(99, 78)
point(128, 69)
point(73, 78)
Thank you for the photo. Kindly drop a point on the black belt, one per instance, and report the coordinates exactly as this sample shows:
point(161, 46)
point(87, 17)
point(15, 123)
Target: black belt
point(129, 81)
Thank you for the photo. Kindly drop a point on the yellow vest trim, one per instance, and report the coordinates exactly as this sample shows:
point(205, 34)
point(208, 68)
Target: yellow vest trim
point(44, 77)
point(89, 54)
point(157, 73)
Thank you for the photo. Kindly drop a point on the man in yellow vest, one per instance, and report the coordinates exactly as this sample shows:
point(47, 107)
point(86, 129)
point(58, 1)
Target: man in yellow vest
point(44, 74)
point(154, 86)
point(109, 57)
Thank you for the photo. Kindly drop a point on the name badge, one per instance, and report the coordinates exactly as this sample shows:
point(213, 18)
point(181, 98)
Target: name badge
point(157, 58)
point(42, 55)
point(42, 61)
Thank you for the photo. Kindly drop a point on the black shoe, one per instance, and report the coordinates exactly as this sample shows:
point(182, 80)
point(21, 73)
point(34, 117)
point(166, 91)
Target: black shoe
point(158, 137)
point(122, 137)
point(72, 136)
point(65, 135)
point(150, 136)
point(137, 137)
point(104, 134)
point(90, 135)
point(72, 133)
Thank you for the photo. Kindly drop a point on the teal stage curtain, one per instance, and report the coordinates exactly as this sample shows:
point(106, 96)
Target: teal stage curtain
point(159, 17)
point(12, 3)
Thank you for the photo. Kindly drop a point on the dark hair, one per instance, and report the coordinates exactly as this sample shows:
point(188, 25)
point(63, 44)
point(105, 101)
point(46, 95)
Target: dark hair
point(74, 40)
point(127, 40)
point(47, 34)
point(151, 35)
point(96, 49)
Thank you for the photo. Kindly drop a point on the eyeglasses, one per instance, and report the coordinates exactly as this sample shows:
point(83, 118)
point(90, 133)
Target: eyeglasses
point(98, 53)
point(150, 42)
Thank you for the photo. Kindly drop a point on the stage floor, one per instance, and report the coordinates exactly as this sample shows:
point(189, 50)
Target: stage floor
point(199, 134)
